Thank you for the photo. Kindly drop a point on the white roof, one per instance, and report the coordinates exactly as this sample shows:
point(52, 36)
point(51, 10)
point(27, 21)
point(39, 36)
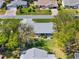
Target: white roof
point(43, 27)
point(39, 27)
point(70, 2)
point(36, 53)
point(76, 55)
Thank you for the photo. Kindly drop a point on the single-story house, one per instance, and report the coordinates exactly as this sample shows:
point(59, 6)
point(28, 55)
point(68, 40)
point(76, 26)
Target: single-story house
point(76, 56)
point(40, 28)
point(43, 28)
point(17, 3)
point(47, 3)
point(70, 3)
point(1, 3)
point(35, 53)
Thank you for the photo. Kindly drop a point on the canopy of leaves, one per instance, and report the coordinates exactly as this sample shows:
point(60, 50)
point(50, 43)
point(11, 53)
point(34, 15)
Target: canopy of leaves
point(9, 33)
point(3, 39)
point(12, 42)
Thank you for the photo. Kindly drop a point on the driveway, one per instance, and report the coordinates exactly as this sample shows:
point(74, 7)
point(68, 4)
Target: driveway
point(11, 11)
point(27, 20)
point(54, 12)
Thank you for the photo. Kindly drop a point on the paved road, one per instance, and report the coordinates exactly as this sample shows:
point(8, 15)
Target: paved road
point(27, 16)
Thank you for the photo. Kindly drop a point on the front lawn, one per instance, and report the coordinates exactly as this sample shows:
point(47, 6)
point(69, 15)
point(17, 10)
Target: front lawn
point(29, 11)
point(32, 10)
point(70, 11)
point(42, 20)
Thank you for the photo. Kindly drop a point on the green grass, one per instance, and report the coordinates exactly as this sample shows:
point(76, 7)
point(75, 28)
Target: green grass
point(70, 11)
point(42, 20)
point(25, 11)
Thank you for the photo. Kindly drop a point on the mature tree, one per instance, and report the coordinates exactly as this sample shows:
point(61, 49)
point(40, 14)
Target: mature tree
point(27, 38)
point(4, 5)
point(25, 34)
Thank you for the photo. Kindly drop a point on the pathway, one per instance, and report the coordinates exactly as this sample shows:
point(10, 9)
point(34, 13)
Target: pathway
point(26, 16)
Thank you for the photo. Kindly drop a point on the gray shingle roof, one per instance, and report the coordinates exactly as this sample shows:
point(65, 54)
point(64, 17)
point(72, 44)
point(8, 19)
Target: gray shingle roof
point(70, 2)
point(36, 53)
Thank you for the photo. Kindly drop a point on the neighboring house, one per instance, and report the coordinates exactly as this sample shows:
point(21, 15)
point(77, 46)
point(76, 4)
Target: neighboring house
point(47, 3)
point(35, 53)
point(76, 56)
point(16, 0)
point(1, 3)
point(14, 4)
point(70, 3)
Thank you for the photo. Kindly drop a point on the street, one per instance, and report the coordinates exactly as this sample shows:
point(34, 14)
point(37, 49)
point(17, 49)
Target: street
point(26, 16)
